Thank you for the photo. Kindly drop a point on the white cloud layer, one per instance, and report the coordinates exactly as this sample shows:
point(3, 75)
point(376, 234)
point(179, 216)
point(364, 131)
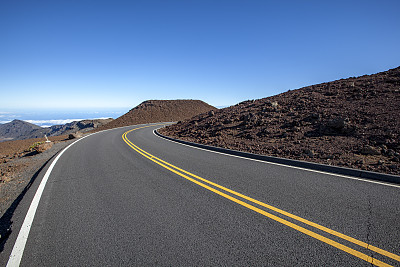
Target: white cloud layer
point(48, 123)
point(51, 122)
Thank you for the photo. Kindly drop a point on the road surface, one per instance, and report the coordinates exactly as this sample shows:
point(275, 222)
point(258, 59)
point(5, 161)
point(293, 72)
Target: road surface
point(128, 197)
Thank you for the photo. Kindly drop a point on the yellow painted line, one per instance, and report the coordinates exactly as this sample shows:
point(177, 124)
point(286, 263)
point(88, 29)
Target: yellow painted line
point(269, 215)
point(320, 227)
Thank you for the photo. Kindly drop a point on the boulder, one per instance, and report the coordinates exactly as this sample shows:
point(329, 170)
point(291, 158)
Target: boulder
point(338, 123)
point(273, 104)
point(309, 152)
point(43, 147)
point(370, 150)
point(75, 135)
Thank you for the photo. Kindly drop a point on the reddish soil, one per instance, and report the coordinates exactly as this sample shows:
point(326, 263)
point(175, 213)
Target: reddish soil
point(352, 122)
point(19, 163)
point(10, 153)
point(160, 111)
point(19, 148)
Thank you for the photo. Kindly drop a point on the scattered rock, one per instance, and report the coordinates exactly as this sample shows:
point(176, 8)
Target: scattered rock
point(393, 167)
point(359, 162)
point(43, 147)
point(354, 121)
point(75, 135)
point(338, 123)
point(227, 121)
point(370, 150)
point(309, 153)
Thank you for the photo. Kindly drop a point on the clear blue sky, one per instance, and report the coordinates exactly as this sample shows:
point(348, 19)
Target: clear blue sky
point(92, 54)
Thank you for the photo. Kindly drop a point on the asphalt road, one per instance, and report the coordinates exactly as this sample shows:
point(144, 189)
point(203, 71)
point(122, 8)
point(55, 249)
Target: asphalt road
point(106, 204)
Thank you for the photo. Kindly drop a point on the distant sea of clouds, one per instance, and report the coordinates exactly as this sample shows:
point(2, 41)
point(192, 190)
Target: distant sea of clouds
point(47, 118)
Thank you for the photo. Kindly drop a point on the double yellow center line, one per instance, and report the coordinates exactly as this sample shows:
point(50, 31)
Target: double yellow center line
point(203, 183)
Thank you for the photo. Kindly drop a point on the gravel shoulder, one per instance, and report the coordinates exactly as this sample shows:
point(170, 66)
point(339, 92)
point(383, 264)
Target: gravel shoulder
point(19, 169)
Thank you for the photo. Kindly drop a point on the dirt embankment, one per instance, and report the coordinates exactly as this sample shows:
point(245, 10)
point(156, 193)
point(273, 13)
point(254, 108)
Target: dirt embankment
point(352, 122)
point(19, 161)
point(160, 111)
point(18, 148)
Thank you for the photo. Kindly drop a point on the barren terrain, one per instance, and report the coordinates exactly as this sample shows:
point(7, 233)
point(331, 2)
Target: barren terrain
point(18, 165)
point(352, 122)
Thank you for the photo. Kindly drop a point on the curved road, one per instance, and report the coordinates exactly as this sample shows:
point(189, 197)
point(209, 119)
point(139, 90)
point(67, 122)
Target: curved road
point(129, 197)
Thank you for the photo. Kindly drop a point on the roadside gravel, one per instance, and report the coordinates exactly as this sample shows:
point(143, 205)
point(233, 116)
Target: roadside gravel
point(17, 175)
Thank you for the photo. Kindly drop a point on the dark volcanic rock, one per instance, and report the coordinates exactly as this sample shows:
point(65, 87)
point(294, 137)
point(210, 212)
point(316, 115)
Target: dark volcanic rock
point(75, 135)
point(352, 122)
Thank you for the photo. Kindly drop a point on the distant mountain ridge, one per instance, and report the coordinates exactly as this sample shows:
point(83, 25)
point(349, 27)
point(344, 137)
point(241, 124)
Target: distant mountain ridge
point(151, 111)
point(20, 130)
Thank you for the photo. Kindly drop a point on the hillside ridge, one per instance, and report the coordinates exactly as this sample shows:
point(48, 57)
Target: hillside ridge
point(151, 111)
point(353, 122)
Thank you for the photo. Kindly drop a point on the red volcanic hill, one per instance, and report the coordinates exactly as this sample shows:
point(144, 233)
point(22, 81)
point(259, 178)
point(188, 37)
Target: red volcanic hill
point(352, 122)
point(160, 111)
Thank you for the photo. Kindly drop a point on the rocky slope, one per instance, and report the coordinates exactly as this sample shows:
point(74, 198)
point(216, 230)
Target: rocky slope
point(352, 122)
point(160, 111)
point(20, 130)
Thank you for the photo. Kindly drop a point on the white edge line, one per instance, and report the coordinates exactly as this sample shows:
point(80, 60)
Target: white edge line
point(279, 164)
point(19, 245)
